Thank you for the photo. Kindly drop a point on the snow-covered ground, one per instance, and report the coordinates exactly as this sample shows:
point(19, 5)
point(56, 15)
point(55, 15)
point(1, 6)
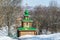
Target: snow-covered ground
point(4, 36)
point(4, 31)
point(55, 36)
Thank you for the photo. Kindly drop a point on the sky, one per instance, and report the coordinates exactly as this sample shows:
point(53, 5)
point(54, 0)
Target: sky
point(37, 2)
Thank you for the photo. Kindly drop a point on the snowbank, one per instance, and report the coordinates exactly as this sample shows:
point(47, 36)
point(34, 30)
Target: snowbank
point(5, 38)
point(4, 31)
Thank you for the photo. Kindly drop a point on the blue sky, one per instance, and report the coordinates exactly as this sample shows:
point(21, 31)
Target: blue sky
point(37, 2)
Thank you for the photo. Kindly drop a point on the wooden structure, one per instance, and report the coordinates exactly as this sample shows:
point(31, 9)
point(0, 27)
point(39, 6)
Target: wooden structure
point(26, 28)
point(27, 32)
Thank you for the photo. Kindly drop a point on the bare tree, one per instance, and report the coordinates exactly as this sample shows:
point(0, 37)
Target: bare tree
point(10, 9)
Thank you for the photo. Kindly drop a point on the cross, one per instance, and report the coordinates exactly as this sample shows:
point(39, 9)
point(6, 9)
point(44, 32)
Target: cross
point(26, 4)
